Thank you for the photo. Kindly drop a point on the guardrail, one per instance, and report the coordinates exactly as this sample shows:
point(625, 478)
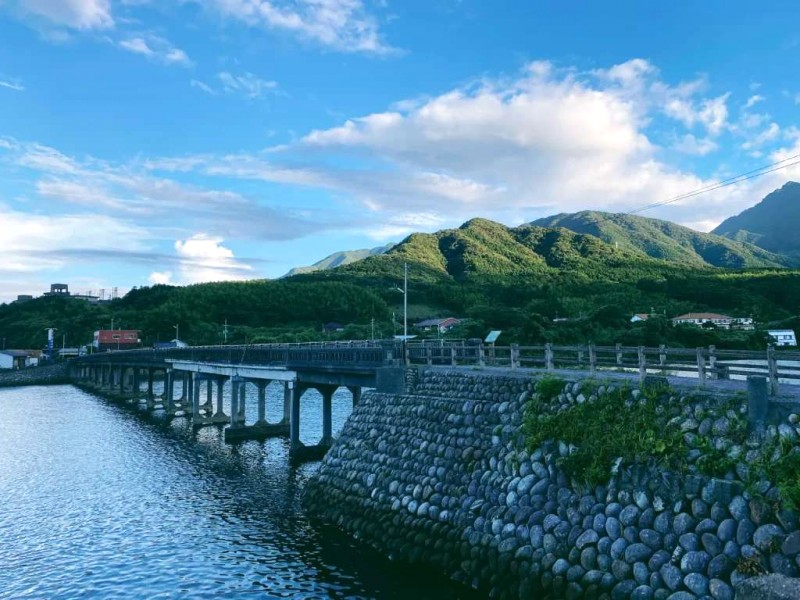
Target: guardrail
point(703, 364)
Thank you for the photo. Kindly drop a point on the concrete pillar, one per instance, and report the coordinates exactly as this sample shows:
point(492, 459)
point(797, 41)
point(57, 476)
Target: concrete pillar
point(121, 375)
point(151, 400)
point(262, 402)
point(294, 418)
point(356, 391)
point(327, 415)
point(136, 382)
point(236, 383)
point(757, 403)
point(242, 415)
point(287, 402)
point(195, 387)
point(169, 391)
point(220, 416)
point(209, 405)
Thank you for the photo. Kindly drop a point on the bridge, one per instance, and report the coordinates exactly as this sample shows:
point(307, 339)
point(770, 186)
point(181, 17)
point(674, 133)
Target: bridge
point(194, 377)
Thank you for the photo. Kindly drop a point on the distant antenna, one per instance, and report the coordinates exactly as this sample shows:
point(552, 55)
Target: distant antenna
point(114, 293)
point(102, 293)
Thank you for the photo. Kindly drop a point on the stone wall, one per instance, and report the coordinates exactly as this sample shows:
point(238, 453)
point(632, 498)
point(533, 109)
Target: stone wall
point(442, 476)
point(47, 375)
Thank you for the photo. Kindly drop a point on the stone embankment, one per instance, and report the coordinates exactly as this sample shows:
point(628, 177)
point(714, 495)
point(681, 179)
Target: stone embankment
point(446, 476)
point(48, 375)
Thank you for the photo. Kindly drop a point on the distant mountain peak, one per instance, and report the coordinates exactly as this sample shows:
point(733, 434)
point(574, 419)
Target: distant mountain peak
point(771, 224)
point(337, 259)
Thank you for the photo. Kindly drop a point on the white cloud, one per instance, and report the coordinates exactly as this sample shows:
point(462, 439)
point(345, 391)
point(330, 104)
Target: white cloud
point(344, 25)
point(204, 258)
point(711, 113)
point(157, 49)
point(202, 86)
point(689, 144)
point(247, 84)
point(770, 134)
point(160, 277)
point(12, 85)
point(71, 14)
point(753, 100)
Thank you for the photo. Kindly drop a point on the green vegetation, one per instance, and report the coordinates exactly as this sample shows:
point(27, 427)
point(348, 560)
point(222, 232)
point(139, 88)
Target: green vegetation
point(665, 240)
point(535, 284)
point(770, 224)
point(610, 428)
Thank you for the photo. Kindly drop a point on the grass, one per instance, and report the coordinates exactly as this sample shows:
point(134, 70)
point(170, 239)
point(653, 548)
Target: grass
point(612, 427)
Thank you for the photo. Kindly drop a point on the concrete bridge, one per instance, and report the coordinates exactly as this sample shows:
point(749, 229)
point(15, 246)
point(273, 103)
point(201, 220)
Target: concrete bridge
point(194, 378)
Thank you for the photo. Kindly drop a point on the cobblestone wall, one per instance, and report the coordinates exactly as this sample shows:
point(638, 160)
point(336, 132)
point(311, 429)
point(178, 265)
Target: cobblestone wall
point(48, 375)
point(442, 476)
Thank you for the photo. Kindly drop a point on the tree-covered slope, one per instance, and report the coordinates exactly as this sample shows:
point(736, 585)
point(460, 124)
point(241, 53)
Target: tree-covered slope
point(337, 259)
point(665, 240)
point(771, 224)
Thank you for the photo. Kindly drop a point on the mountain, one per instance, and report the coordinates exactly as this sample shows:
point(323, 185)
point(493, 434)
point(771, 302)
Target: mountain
point(771, 224)
point(665, 240)
point(484, 248)
point(337, 259)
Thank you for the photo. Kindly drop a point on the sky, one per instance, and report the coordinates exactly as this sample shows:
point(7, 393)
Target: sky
point(183, 141)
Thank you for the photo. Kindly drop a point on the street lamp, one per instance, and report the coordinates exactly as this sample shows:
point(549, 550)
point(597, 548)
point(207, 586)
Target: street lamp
point(176, 327)
point(404, 291)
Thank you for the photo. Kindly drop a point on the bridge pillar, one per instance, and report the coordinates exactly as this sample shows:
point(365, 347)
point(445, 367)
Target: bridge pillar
point(236, 383)
point(287, 403)
point(136, 376)
point(121, 382)
point(197, 418)
point(241, 415)
point(327, 414)
point(356, 392)
point(262, 402)
point(151, 401)
point(169, 391)
point(209, 405)
point(220, 416)
point(295, 445)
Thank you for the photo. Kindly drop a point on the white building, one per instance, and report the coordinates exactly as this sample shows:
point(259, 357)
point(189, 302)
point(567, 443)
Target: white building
point(783, 337)
point(722, 321)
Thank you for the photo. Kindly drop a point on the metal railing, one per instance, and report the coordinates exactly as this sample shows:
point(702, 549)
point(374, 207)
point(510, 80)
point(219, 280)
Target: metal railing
point(703, 364)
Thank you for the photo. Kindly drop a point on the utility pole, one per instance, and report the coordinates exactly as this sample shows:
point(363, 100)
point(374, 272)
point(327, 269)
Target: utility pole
point(373, 329)
point(225, 332)
point(405, 301)
point(176, 327)
point(112, 323)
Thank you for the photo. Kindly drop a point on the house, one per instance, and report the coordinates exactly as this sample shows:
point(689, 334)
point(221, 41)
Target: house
point(639, 317)
point(721, 321)
point(19, 359)
point(333, 327)
point(442, 325)
point(744, 323)
point(783, 337)
point(69, 352)
point(176, 343)
point(116, 339)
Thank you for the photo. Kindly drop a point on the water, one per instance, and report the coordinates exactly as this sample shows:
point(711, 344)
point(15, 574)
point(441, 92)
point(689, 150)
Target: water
point(100, 501)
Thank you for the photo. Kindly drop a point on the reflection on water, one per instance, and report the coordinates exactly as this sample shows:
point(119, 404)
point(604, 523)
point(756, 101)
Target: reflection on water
point(97, 501)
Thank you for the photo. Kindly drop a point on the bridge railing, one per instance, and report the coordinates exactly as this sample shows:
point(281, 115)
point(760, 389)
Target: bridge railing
point(361, 353)
point(703, 364)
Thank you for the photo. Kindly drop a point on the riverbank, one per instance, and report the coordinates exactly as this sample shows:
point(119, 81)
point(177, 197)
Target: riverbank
point(57, 374)
point(454, 475)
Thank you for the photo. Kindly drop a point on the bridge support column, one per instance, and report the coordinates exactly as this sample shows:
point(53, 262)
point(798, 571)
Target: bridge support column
point(198, 419)
point(220, 416)
point(209, 405)
point(327, 415)
point(295, 445)
point(151, 401)
point(120, 373)
point(356, 392)
point(287, 403)
point(169, 391)
point(262, 403)
point(236, 383)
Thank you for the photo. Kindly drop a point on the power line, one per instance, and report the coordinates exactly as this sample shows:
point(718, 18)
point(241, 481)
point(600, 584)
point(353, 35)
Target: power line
point(776, 166)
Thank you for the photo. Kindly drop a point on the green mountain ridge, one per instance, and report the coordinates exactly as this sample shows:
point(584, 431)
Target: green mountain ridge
point(667, 241)
point(337, 259)
point(771, 224)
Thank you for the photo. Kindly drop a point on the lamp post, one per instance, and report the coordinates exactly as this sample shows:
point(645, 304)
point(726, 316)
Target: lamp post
point(404, 291)
point(176, 327)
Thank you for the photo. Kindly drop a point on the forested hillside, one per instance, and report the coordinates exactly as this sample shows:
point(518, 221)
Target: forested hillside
point(536, 284)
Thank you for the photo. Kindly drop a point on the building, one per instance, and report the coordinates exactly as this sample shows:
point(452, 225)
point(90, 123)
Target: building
point(333, 327)
point(639, 317)
point(442, 325)
point(721, 321)
point(60, 290)
point(69, 352)
point(176, 343)
point(116, 339)
point(783, 337)
point(745, 323)
point(19, 359)
point(24, 298)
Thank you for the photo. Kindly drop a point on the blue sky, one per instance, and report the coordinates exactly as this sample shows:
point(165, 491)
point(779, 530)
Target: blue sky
point(184, 140)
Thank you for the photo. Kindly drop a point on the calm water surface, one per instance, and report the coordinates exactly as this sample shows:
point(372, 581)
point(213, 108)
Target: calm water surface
point(99, 501)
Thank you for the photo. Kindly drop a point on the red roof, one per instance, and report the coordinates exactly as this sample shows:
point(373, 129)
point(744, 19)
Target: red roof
point(117, 336)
